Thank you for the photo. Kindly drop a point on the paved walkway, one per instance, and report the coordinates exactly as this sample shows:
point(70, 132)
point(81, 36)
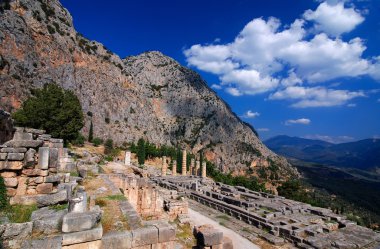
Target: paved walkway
point(239, 242)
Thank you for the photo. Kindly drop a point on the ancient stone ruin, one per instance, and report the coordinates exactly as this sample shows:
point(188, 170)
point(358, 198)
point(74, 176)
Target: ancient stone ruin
point(280, 220)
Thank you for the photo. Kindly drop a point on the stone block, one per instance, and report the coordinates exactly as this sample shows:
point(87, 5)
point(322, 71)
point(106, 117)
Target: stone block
point(11, 165)
point(29, 156)
point(3, 156)
point(52, 199)
point(75, 222)
point(13, 150)
point(35, 131)
point(117, 240)
point(53, 158)
point(43, 157)
point(56, 140)
point(16, 156)
point(87, 245)
point(206, 235)
point(24, 143)
point(165, 245)
point(21, 189)
point(44, 188)
point(166, 232)
point(11, 182)
point(47, 221)
point(31, 172)
point(31, 191)
point(82, 236)
point(53, 178)
point(8, 174)
point(24, 199)
point(20, 135)
point(48, 242)
point(144, 236)
point(18, 231)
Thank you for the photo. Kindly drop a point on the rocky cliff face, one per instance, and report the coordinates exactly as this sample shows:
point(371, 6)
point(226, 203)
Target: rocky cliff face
point(149, 95)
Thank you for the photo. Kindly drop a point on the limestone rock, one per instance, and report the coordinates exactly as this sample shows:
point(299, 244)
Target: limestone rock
point(144, 236)
point(208, 236)
point(117, 240)
point(82, 236)
point(47, 221)
point(11, 165)
point(47, 242)
point(75, 222)
point(6, 126)
point(15, 156)
point(8, 174)
point(11, 182)
point(13, 150)
point(44, 188)
point(24, 143)
point(15, 233)
point(52, 199)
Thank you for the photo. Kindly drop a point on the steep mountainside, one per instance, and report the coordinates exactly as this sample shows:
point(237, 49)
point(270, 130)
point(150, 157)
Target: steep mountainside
point(149, 95)
point(363, 154)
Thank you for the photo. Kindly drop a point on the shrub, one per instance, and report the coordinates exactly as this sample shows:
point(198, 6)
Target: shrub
point(79, 141)
point(20, 213)
point(3, 194)
point(53, 109)
point(108, 146)
point(141, 151)
point(97, 141)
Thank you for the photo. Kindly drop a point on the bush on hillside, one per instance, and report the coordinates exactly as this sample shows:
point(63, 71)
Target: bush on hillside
point(3, 194)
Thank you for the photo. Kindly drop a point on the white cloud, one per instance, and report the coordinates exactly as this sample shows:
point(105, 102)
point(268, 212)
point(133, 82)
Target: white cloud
point(250, 114)
point(303, 121)
point(216, 86)
point(263, 129)
point(233, 91)
point(351, 105)
point(334, 18)
point(315, 96)
point(267, 56)
point(331, 139)
point(378, 100)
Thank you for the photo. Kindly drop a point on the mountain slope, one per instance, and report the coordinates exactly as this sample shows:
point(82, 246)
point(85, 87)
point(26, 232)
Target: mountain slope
point(149, 95)
point(362, 154)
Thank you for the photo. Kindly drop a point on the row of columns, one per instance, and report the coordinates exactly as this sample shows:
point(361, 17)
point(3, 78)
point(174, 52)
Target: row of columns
point(193, 171)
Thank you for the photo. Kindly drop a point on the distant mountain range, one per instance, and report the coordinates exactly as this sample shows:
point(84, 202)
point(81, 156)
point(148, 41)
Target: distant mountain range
point(363, 154)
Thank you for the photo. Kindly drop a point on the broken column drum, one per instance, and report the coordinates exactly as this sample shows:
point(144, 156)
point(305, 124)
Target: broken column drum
point(197, 167)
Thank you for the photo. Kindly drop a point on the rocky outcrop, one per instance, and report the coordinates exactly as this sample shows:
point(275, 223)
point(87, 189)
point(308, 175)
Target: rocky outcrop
point(149, 95)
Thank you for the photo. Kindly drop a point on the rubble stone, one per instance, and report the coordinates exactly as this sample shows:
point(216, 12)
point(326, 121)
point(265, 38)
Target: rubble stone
point(44, 188)
point(117, 240)
point(144, 236)
point(15, 156)
point(47, 242)
point(11, 182)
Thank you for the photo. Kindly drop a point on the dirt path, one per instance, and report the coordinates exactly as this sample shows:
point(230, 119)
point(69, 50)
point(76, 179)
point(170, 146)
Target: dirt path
point(238, 241)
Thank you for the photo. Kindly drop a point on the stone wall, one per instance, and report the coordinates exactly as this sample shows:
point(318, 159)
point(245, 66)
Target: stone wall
point(29, 165)
point(6, 127)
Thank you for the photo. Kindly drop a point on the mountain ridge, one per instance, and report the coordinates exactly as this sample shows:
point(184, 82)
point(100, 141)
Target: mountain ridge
point(148, 96)
point(359, 154)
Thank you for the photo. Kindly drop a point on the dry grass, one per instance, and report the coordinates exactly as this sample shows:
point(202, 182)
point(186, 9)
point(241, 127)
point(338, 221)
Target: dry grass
point(185, 236)
point(112, 218)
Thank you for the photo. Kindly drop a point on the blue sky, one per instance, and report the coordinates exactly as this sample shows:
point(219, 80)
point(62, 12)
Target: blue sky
point(300, 67)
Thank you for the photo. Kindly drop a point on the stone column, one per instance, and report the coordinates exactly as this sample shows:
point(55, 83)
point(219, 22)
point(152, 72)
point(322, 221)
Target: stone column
point(184, 168)
point(197, 167)
point(204, 169)
point(192, 166)
point(164, 166)
point(127, 159)
point(174, 169)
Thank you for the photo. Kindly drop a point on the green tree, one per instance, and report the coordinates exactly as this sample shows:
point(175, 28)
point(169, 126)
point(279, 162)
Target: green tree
point(141, 151)
point(91, 132)
point(3, 194)
point(53, 109)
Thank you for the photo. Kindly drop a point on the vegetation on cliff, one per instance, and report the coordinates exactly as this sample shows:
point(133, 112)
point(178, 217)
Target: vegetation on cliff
point(54, 109)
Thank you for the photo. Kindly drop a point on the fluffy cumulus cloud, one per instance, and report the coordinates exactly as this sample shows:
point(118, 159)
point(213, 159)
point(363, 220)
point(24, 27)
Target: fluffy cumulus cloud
point(315, 96)
point(250, 114)
point(302, 121)
point(333, 18)
point(268, 57)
